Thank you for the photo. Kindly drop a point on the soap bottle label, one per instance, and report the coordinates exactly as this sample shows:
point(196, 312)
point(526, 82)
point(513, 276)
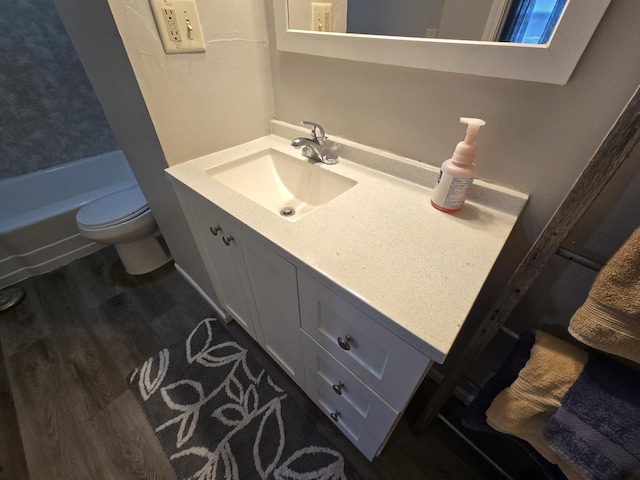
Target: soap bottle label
point(450, 192)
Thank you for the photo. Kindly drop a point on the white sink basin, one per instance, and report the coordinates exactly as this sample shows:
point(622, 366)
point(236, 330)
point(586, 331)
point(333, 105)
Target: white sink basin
point(281, 183)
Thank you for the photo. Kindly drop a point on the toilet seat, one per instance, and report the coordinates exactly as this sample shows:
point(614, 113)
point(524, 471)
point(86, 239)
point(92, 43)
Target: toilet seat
point(113, 209)
point(124, 220)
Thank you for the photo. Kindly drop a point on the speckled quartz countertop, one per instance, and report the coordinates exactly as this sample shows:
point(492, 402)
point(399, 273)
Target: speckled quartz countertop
point(415, 270)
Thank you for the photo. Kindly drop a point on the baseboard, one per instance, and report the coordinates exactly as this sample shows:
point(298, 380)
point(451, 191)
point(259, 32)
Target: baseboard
point(202, 293)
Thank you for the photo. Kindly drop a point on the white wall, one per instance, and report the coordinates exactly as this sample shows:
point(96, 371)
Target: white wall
point(95, 38)
point(409, 18)
point(537, 139)
point(168, 109)
point(201, 103)
point(300, 14)
point(464, 20)
point(386, 17)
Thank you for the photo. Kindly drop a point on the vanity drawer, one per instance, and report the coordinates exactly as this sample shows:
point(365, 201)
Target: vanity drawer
point(362, 415)
point(383, 361)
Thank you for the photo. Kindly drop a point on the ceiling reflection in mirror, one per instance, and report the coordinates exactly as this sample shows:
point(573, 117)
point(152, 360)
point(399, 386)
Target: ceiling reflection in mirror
point(515, 21)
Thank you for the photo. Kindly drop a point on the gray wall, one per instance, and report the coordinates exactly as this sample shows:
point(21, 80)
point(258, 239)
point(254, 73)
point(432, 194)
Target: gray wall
point(407, 18)
point(49, 113)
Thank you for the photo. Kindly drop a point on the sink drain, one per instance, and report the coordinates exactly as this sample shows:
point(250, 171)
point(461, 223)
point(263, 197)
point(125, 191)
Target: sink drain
point(288, 212)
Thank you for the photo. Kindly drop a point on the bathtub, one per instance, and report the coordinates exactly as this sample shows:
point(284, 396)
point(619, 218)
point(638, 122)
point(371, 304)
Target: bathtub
point(38, 230)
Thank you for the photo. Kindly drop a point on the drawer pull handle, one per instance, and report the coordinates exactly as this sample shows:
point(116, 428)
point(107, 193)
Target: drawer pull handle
point(227, 239)
point(214, 230)
point(335, 415)
point(338, 388)
point(344, 342)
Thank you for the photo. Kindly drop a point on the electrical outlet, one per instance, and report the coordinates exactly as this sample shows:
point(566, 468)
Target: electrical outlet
point(321, 17)
point(169, 15)
point(179, 26)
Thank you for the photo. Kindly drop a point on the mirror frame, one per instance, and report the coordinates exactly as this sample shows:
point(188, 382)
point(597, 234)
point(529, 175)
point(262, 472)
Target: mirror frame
point(553, 62)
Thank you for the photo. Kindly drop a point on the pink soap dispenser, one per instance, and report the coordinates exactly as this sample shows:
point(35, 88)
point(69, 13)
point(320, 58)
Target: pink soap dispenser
point(457, 173)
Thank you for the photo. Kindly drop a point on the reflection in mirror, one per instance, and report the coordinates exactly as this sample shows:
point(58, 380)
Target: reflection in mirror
point(515, 21)
point(518, 54)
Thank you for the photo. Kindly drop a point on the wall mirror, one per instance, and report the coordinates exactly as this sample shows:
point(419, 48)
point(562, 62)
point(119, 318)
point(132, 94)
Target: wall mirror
point(458, 36)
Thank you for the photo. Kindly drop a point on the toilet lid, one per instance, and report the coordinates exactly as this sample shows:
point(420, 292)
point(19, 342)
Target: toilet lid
point(113, 209)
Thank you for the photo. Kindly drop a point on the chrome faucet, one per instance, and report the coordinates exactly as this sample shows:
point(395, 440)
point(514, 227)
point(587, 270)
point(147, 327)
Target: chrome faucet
point(315, 148)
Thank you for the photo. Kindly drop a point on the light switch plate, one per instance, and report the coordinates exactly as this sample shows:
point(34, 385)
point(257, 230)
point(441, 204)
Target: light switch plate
point(322, 17)
point(178, 25)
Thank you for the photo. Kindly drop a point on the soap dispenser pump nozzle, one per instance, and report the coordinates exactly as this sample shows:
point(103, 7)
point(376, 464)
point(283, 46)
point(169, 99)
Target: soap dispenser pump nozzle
point(465, 151)
point(474, 125)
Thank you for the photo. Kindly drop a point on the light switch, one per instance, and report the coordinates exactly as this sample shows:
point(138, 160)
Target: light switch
point(178, 25)
point(321, 17)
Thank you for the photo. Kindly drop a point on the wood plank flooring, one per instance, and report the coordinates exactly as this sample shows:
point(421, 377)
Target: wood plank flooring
point(67, 413)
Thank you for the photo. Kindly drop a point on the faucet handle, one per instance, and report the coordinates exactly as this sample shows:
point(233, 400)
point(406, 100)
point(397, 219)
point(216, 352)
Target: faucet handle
point(317, 131)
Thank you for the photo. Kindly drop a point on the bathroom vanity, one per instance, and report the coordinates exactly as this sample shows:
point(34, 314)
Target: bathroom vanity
point(363, 287)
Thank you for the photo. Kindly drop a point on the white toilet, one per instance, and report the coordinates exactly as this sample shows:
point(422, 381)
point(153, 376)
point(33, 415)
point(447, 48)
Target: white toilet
point(123, 219)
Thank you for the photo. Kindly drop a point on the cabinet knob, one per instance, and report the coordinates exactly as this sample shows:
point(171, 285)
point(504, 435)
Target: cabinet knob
point(227, 239)
point(338, 388)
point(214, 230)
point(335, 415)
point(344, 342)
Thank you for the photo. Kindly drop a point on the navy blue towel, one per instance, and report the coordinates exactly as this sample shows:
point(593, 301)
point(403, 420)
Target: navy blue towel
point(597, 428)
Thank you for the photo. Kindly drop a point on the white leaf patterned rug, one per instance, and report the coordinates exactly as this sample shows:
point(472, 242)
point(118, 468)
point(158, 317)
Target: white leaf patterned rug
point(218, 415)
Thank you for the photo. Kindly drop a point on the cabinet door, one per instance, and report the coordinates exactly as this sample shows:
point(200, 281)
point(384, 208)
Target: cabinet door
point(228, 277)
point(275, 290)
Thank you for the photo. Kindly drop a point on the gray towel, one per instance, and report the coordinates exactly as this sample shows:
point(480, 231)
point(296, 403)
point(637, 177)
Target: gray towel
point(597, 427)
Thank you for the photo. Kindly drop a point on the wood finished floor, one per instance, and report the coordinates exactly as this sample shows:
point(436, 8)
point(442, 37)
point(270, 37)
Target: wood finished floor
point(67, 413)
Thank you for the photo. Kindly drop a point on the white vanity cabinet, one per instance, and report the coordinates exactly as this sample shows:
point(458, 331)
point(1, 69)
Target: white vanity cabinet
point(220, 246)
point(274, 287)
point(357, 371)
point(257, 287)
point(355, 319)
point(382, 360)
